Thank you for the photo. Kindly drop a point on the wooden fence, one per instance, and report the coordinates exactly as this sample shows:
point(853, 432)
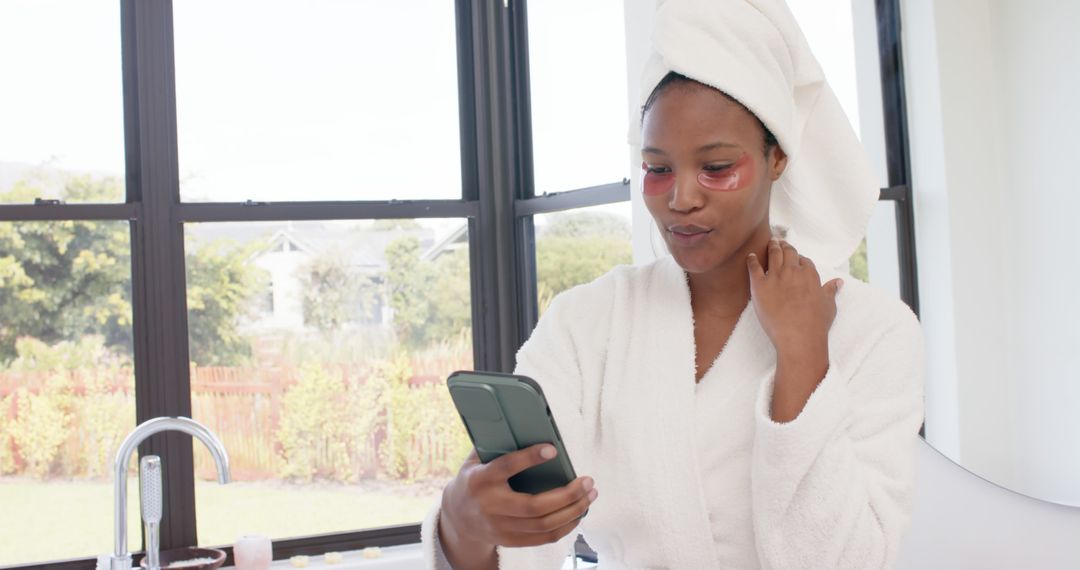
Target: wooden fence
point(243, 406)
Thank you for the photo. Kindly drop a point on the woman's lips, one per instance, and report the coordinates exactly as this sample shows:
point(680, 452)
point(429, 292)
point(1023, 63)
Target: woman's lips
point(688, 234)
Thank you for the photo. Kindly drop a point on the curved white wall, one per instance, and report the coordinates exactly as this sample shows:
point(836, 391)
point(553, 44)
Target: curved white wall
point(992, 87)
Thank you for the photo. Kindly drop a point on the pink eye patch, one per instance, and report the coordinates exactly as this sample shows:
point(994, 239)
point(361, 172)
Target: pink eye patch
point(735, 177)
point(657, 183)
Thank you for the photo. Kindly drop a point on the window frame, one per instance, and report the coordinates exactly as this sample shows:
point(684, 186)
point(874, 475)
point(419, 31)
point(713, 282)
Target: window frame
point(497, 200)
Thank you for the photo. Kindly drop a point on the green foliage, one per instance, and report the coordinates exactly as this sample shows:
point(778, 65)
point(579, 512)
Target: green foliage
point(104, 415)
point(316, 431)
point(858, 263)
point(402, 418)
point(588, 225)
point(577, 248)
point(61, 280)
point(7, 443)
point(64, 427)
point(430, 299)
point(335, 293)
point(420, 423)
point(221, 284)
point(41, 424)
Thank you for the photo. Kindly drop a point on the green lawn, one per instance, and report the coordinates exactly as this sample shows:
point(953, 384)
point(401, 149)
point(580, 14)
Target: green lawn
point(58, 519)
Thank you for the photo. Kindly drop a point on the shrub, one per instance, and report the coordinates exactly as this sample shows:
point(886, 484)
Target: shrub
point(41, 424)
point(316, 429)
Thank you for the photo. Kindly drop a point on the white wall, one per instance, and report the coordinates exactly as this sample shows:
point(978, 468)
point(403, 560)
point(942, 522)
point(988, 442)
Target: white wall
point(993, 115)
point(961, 522)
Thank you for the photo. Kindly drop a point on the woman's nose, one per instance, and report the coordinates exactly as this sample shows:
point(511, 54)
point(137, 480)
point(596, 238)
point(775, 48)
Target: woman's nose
point(686, 195)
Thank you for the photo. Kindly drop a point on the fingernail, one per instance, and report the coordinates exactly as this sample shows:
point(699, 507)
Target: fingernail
point(588, 483)
point(592, 495)
point(547, 452)
point(753, 255)
point(840, 285)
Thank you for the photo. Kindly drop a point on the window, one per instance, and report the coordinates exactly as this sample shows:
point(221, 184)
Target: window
point(66, 382)
point(333, 404)
point(577, 246)
point(61, 108)
point(577, 72)
point(322, 100)
point(66, 339)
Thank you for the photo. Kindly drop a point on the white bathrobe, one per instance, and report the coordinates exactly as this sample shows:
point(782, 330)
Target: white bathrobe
point(697, 475)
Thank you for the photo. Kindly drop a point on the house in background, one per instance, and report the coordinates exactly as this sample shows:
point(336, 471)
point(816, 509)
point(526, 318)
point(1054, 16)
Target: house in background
point(290, 247)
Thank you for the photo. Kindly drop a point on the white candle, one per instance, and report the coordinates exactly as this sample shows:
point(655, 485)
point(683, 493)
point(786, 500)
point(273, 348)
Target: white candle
point(252, 552)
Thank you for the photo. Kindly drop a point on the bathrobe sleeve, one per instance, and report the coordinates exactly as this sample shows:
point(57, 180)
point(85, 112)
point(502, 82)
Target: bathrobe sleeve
point(833, 487)
point(550, 357)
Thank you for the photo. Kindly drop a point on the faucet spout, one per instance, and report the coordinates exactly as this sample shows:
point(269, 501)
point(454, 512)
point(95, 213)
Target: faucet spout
point(121, 559)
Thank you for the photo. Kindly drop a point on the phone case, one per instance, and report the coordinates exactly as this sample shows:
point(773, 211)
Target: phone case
point(505, 413)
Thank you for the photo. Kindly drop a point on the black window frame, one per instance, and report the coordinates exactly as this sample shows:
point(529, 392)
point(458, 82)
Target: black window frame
point(498, 201)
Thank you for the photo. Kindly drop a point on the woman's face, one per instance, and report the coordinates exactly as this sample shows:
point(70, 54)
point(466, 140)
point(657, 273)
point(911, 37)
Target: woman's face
point(707, 178)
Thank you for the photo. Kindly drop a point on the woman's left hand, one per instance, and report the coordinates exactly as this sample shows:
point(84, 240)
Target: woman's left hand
point(794, 308)
point(796, 311)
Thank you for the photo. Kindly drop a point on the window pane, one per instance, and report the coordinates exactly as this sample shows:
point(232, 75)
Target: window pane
point(319, 356)
point(66, 386)
point(577, 246)
point(577, 69)
point(882, 261)
point(61, 106)
point(322, 100)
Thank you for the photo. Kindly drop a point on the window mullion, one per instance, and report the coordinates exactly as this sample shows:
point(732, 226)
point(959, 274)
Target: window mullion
point(159, 308)
point(495, 249)
point(897, 153)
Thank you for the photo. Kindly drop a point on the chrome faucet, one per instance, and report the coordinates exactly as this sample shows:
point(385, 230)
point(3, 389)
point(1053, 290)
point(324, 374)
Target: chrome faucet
point(121, 558)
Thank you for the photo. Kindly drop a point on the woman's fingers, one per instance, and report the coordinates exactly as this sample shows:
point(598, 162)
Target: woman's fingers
point(538, 538)
point(754, 266)
point(510, 503)
point(833, 287)
point(550, 521)
point(515, 462)
point(776, 255)
point(791, 256)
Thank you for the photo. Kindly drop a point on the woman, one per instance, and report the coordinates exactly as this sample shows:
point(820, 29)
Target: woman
point(729, 406)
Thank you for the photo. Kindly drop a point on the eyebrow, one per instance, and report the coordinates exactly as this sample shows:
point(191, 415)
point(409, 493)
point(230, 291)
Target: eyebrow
point(704, 148)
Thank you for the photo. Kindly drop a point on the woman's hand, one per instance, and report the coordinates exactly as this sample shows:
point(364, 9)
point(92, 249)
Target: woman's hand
point(796, 312)
point(480, 510)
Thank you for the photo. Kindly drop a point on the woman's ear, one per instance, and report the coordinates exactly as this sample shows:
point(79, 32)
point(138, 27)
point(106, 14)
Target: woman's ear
point(777, 160)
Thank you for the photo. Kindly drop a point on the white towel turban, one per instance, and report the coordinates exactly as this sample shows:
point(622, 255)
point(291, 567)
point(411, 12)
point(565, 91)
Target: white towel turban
point(754, 51)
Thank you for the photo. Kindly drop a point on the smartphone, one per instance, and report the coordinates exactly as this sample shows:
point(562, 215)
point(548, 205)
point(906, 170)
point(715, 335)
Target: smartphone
point(505, 413)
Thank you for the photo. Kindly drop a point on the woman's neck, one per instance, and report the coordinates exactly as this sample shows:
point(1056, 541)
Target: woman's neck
point(724, 290)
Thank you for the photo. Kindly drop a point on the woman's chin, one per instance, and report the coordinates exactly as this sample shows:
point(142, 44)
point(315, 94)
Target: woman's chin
point(692, 262)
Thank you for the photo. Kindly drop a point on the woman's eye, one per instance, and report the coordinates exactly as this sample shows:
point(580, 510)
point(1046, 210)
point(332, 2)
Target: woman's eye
point(655, 169)
point(716, 167)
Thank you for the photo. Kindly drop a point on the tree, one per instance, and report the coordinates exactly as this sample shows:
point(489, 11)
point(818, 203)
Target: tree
point(858, 263)
point(431, 300)
point(61, 280)
point(335, 293)
point(588, 224)
point(577, 248)
point(221, 284)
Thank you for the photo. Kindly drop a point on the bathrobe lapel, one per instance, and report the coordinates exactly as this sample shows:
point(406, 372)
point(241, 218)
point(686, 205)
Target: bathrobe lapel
point(669, 410)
